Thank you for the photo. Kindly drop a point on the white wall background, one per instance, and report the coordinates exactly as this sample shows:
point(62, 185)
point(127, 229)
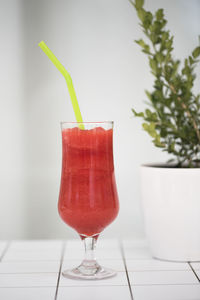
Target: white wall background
point(94, 41)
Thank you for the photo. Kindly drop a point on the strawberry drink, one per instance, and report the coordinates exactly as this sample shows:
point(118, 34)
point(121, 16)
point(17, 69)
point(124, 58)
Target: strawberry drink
point(88, 200)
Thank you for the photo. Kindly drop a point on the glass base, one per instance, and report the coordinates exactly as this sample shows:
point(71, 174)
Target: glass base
point(89, 273)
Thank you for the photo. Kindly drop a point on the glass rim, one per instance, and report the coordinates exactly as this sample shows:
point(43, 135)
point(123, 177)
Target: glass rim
point(98, 122)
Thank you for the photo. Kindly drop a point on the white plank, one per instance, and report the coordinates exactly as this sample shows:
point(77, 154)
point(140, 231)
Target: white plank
point(30, 267)
point(166, 292)
point(27, 293)
point(28, 280)
point(94, 293)
point(162, 277)
point(154, 265)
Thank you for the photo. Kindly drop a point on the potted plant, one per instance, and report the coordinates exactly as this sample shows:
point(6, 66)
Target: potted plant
point(171, 192)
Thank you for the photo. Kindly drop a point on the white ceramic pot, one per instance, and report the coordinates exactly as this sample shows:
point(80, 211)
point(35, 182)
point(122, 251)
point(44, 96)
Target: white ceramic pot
point(171, 205)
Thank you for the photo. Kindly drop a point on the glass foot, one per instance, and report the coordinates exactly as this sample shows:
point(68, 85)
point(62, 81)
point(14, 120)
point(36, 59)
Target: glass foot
point(89, 273)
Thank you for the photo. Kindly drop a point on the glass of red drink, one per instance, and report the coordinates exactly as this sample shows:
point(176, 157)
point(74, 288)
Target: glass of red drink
point(88, 200)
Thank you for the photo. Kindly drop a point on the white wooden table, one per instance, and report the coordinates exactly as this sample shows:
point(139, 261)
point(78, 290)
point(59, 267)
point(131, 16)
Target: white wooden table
point(32, 270)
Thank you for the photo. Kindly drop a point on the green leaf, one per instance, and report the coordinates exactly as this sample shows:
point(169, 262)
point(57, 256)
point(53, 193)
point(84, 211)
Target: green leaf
point(141, 114)
point(141, 14)
point(196, 52)
point(158, 143)
point(148, 95)
point(141, 43)
point(145, 47)
point(151, 116)
point(191, 60)
point(165, 36)
point(150, 128)
point(175, 69)
point(169, 44)
point(145, 126)
point(148, 113)
point(163, 132)
point(171, 147)
point(156, 27)
point(153, 64)
point(139, 3)
point(159, 14)
point(163, 23)
point(147, 19)
point(159, 57)
point(167, 58)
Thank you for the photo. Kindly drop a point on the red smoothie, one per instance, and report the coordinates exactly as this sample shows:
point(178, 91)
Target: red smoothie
point(88, 199)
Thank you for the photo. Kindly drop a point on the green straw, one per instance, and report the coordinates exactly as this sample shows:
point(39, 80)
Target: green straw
point(68, 79)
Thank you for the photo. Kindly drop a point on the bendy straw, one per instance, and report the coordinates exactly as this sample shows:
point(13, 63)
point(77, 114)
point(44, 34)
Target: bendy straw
point(68, 79)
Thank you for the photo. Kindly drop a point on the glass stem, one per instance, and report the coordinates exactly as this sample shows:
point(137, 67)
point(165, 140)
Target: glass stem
point(89, 265)
point(90, 247)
